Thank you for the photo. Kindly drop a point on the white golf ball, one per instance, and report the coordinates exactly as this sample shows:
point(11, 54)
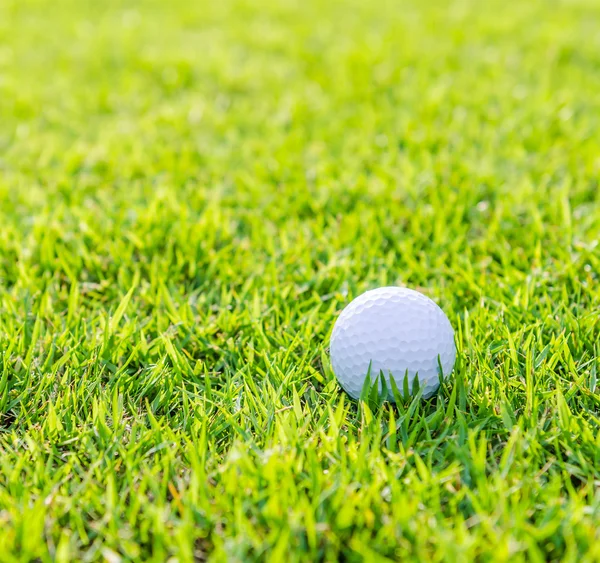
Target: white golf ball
point(396, 332)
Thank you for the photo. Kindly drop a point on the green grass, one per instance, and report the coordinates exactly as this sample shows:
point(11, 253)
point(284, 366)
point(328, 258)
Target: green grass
point(190, 192)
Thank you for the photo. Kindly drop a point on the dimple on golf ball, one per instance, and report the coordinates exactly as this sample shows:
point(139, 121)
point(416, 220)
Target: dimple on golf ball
point(393, 331)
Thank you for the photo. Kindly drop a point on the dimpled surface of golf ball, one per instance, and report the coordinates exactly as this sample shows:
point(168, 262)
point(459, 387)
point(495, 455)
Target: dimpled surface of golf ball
point(397, 332)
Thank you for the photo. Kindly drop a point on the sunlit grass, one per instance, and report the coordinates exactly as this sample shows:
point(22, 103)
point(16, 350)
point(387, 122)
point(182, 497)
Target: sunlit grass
point(189, 195)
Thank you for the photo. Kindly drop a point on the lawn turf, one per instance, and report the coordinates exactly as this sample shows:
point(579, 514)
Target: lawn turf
point(190, 192)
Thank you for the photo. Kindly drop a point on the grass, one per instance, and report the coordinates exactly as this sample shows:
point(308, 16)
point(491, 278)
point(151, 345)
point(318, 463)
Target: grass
point(189, 195)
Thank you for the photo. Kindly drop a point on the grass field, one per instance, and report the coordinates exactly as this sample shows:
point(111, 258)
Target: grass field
point(190, 192)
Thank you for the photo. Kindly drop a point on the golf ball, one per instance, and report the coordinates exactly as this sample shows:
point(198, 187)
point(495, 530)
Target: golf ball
point(396, 332)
